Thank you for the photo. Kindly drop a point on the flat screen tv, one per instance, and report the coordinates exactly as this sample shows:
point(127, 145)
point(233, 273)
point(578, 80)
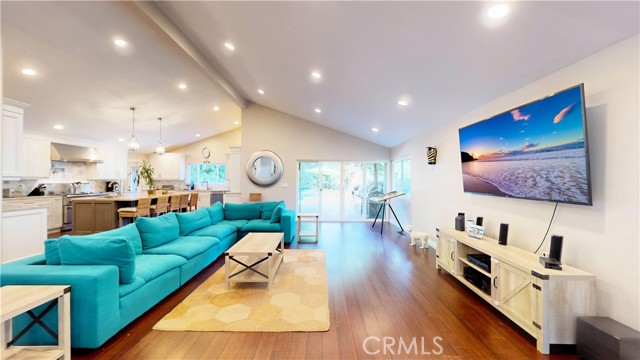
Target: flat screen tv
point(536, 151)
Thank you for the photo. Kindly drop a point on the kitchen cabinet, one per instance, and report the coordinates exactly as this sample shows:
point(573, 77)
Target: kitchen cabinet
point(12, 127)
point(23, 233)
point(36, 158)
point(170, 166)
point(52, 205)
point(114, 165)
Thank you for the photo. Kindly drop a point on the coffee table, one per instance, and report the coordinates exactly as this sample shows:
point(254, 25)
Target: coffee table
point(265, 252)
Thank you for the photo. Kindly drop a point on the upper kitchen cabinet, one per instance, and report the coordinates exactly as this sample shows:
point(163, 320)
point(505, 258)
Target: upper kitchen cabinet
point(12, 125)
point(170, 166)
point(114, 164)
point(36, 155)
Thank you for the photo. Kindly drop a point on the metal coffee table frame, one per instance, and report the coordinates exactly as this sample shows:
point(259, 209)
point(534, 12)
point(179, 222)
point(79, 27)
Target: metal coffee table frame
point(266, 247)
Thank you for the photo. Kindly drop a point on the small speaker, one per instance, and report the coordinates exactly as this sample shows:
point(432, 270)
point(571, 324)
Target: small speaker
point(479, 221)
point(555, 251)
point(504, 233)
point(460, 222)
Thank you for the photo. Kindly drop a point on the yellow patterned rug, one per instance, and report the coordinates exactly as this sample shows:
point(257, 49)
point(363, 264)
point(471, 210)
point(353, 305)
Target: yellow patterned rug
point(297, 301)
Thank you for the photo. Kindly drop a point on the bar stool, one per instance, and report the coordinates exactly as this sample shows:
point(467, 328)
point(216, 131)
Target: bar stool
point(161, 207)
point(184, 202)
point(142, 209)
point(193, 201)
point(174, 203)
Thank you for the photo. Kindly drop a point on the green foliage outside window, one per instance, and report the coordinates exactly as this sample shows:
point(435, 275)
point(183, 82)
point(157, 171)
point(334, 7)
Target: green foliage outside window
point(204, 174)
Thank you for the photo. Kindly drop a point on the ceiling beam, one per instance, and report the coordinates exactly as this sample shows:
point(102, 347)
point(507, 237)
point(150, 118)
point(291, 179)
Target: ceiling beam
point(157, 16)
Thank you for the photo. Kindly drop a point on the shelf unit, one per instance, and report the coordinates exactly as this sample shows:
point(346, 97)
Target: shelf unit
point(543, 302)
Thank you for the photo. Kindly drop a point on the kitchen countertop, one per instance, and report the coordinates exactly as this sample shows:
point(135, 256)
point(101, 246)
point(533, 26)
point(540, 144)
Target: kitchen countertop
point(30, 197)
point(127, 197)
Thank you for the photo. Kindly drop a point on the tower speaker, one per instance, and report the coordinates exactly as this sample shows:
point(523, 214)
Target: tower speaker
point(555, 252)
point(479, 221)
point(504, 233)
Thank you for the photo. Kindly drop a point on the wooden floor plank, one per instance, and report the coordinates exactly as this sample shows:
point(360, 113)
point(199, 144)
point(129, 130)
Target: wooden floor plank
point(379, 286)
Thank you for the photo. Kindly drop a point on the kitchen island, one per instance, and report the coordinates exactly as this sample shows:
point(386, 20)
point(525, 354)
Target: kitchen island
point(97, 214)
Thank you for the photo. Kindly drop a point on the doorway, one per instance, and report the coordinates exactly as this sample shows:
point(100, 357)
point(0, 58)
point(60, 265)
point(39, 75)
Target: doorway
point(341, 190)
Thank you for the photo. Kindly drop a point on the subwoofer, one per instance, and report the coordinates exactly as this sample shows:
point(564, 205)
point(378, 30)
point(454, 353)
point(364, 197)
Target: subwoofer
point(555, 251)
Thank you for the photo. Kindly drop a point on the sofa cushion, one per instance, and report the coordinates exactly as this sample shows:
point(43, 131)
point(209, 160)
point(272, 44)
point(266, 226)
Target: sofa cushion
point(129, 231)
point(242, 211)
point(216, 213)
point(159, 230)
point(126, 289)
point(51, 252)
point(192, 221)
point(219, 231)
point(238, 224)
point(259, 225)
point(266, 209)
point(83, 250)
point(277, 213)
point(149, 266)
point(185, 246)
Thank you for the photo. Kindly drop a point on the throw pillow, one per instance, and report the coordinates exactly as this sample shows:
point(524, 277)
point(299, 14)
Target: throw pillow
point(159, 230)
point(51, 252)
point(116, 251)
point(192, 221)
point(247, 211)
point(215, 213)
point(267, 209)
point(277, 213)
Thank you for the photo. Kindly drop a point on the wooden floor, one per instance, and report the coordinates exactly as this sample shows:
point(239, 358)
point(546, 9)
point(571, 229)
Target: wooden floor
point(381, 290)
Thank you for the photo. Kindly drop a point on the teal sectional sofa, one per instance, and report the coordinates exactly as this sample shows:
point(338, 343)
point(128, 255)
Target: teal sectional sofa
point(118, 275)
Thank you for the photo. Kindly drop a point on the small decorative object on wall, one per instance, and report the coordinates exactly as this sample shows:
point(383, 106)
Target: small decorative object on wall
point(431, 155)
point(264, 168)
point(476, 231)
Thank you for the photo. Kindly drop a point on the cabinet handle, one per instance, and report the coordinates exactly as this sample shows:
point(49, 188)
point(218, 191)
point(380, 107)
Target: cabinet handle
point(452, 255)
point(494, 282)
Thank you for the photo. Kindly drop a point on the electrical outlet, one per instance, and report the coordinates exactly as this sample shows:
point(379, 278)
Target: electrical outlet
point(544, 254)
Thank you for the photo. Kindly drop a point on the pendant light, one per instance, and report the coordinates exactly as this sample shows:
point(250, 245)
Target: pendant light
point(133, 145)
point(160, 148)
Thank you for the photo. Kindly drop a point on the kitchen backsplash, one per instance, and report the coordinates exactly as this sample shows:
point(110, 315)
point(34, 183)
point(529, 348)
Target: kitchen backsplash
point(60, 179)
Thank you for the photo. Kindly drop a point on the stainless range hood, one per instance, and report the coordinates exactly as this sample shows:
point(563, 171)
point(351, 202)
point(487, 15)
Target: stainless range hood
point(72, 153)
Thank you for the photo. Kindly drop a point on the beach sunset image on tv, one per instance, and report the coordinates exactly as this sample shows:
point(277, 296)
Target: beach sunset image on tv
point(537, 151)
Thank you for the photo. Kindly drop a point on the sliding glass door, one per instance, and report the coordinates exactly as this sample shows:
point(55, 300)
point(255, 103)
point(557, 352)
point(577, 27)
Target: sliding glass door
point(341, 190)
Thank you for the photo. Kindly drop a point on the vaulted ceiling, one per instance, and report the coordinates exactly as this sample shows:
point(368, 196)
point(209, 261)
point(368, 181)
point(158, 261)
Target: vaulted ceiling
point(442, 58)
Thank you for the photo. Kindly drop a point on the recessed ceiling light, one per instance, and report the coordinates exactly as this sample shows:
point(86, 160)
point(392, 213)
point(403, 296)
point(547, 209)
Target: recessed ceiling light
point(236, 122)
point(216, 108)
point(375, 129)
point(229, 46)
point(182, 86)
point(120, 139)
point(260, 91)
point(403, 102)
point(317, 110)
point(29, 72)
point(197, 135)
point(316, 75)
point(58, 127)
point(120, 42)
point(498, 11)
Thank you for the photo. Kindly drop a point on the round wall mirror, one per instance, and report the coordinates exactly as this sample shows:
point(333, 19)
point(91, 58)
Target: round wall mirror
point(264, 168)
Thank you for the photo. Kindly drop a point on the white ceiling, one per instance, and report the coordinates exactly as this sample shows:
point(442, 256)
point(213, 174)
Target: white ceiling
point(445, 57)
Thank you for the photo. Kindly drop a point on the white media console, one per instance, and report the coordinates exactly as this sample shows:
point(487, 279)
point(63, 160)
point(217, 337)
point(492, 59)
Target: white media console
point(544, 302)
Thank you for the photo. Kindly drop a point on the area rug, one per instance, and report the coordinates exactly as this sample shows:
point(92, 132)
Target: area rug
point(297, 301)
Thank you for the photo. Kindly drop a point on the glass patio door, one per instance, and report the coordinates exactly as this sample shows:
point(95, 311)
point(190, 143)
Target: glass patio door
point(341, 190)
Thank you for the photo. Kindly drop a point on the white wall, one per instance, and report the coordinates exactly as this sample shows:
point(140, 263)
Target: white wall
point(603, 238)
point(294, 139)
point(218, 144)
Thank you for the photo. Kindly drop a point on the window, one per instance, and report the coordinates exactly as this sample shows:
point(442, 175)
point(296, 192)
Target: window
point(204, 174)
point(402, 175)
